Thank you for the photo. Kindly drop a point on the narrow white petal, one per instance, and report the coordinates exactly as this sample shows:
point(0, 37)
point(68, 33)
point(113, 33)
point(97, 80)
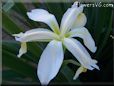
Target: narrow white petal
point(70, 17)
point(50, 62)
point(44, 16)
point(80, 21)
point(22, 50)
point(78, 72)
point(81, 54)
point(36, 30)
point(39, 34)
point(86, 36)
point(18, 35)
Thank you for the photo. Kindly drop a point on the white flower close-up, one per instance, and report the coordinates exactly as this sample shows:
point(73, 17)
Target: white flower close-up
point(72, 26)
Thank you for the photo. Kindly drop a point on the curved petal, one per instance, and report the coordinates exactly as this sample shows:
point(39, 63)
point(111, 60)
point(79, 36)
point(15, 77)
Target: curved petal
point(86, 36)
point(80, 21)
point(50, 62)
point(79, 71)
point(70, 17)
point(23, 49)
point(44, 16)
point(81, 54)
point(39, 34)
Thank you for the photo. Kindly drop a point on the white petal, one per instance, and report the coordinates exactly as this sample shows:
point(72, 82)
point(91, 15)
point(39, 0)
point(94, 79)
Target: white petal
point(81, 54)
point(22, 50)
point(80, 21)
point(39, 34)
point(86, 36)
point(70, 17)
point(44, 16)
point(50, 62)
point(36, 30)
point(79, 71)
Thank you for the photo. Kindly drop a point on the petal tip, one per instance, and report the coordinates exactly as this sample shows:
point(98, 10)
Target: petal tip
point(19, 55)
point(28, 13)
point(75, 77)
point(42, 80)
point(94, 65)
point(97, 68)
point(17, 36)
point(75, 4)
point(93, 49)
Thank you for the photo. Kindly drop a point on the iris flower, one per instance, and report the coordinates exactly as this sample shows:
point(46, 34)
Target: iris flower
point(72, 25)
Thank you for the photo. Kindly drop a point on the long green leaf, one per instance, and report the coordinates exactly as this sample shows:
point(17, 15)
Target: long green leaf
point(20, 66)
point(8, 5)
point(69, 74)
point(9, 25)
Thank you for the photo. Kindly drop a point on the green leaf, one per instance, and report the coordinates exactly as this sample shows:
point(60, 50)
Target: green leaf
point(9, 74)
point(22, 10)
point(105, 33)
point(69, 74)
point(31, 55)
point(56, 9)
point(18, 65)
point(8, 5)
point(9, 25)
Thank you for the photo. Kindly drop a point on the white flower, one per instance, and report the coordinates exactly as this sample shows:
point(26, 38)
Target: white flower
point(72, 25)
